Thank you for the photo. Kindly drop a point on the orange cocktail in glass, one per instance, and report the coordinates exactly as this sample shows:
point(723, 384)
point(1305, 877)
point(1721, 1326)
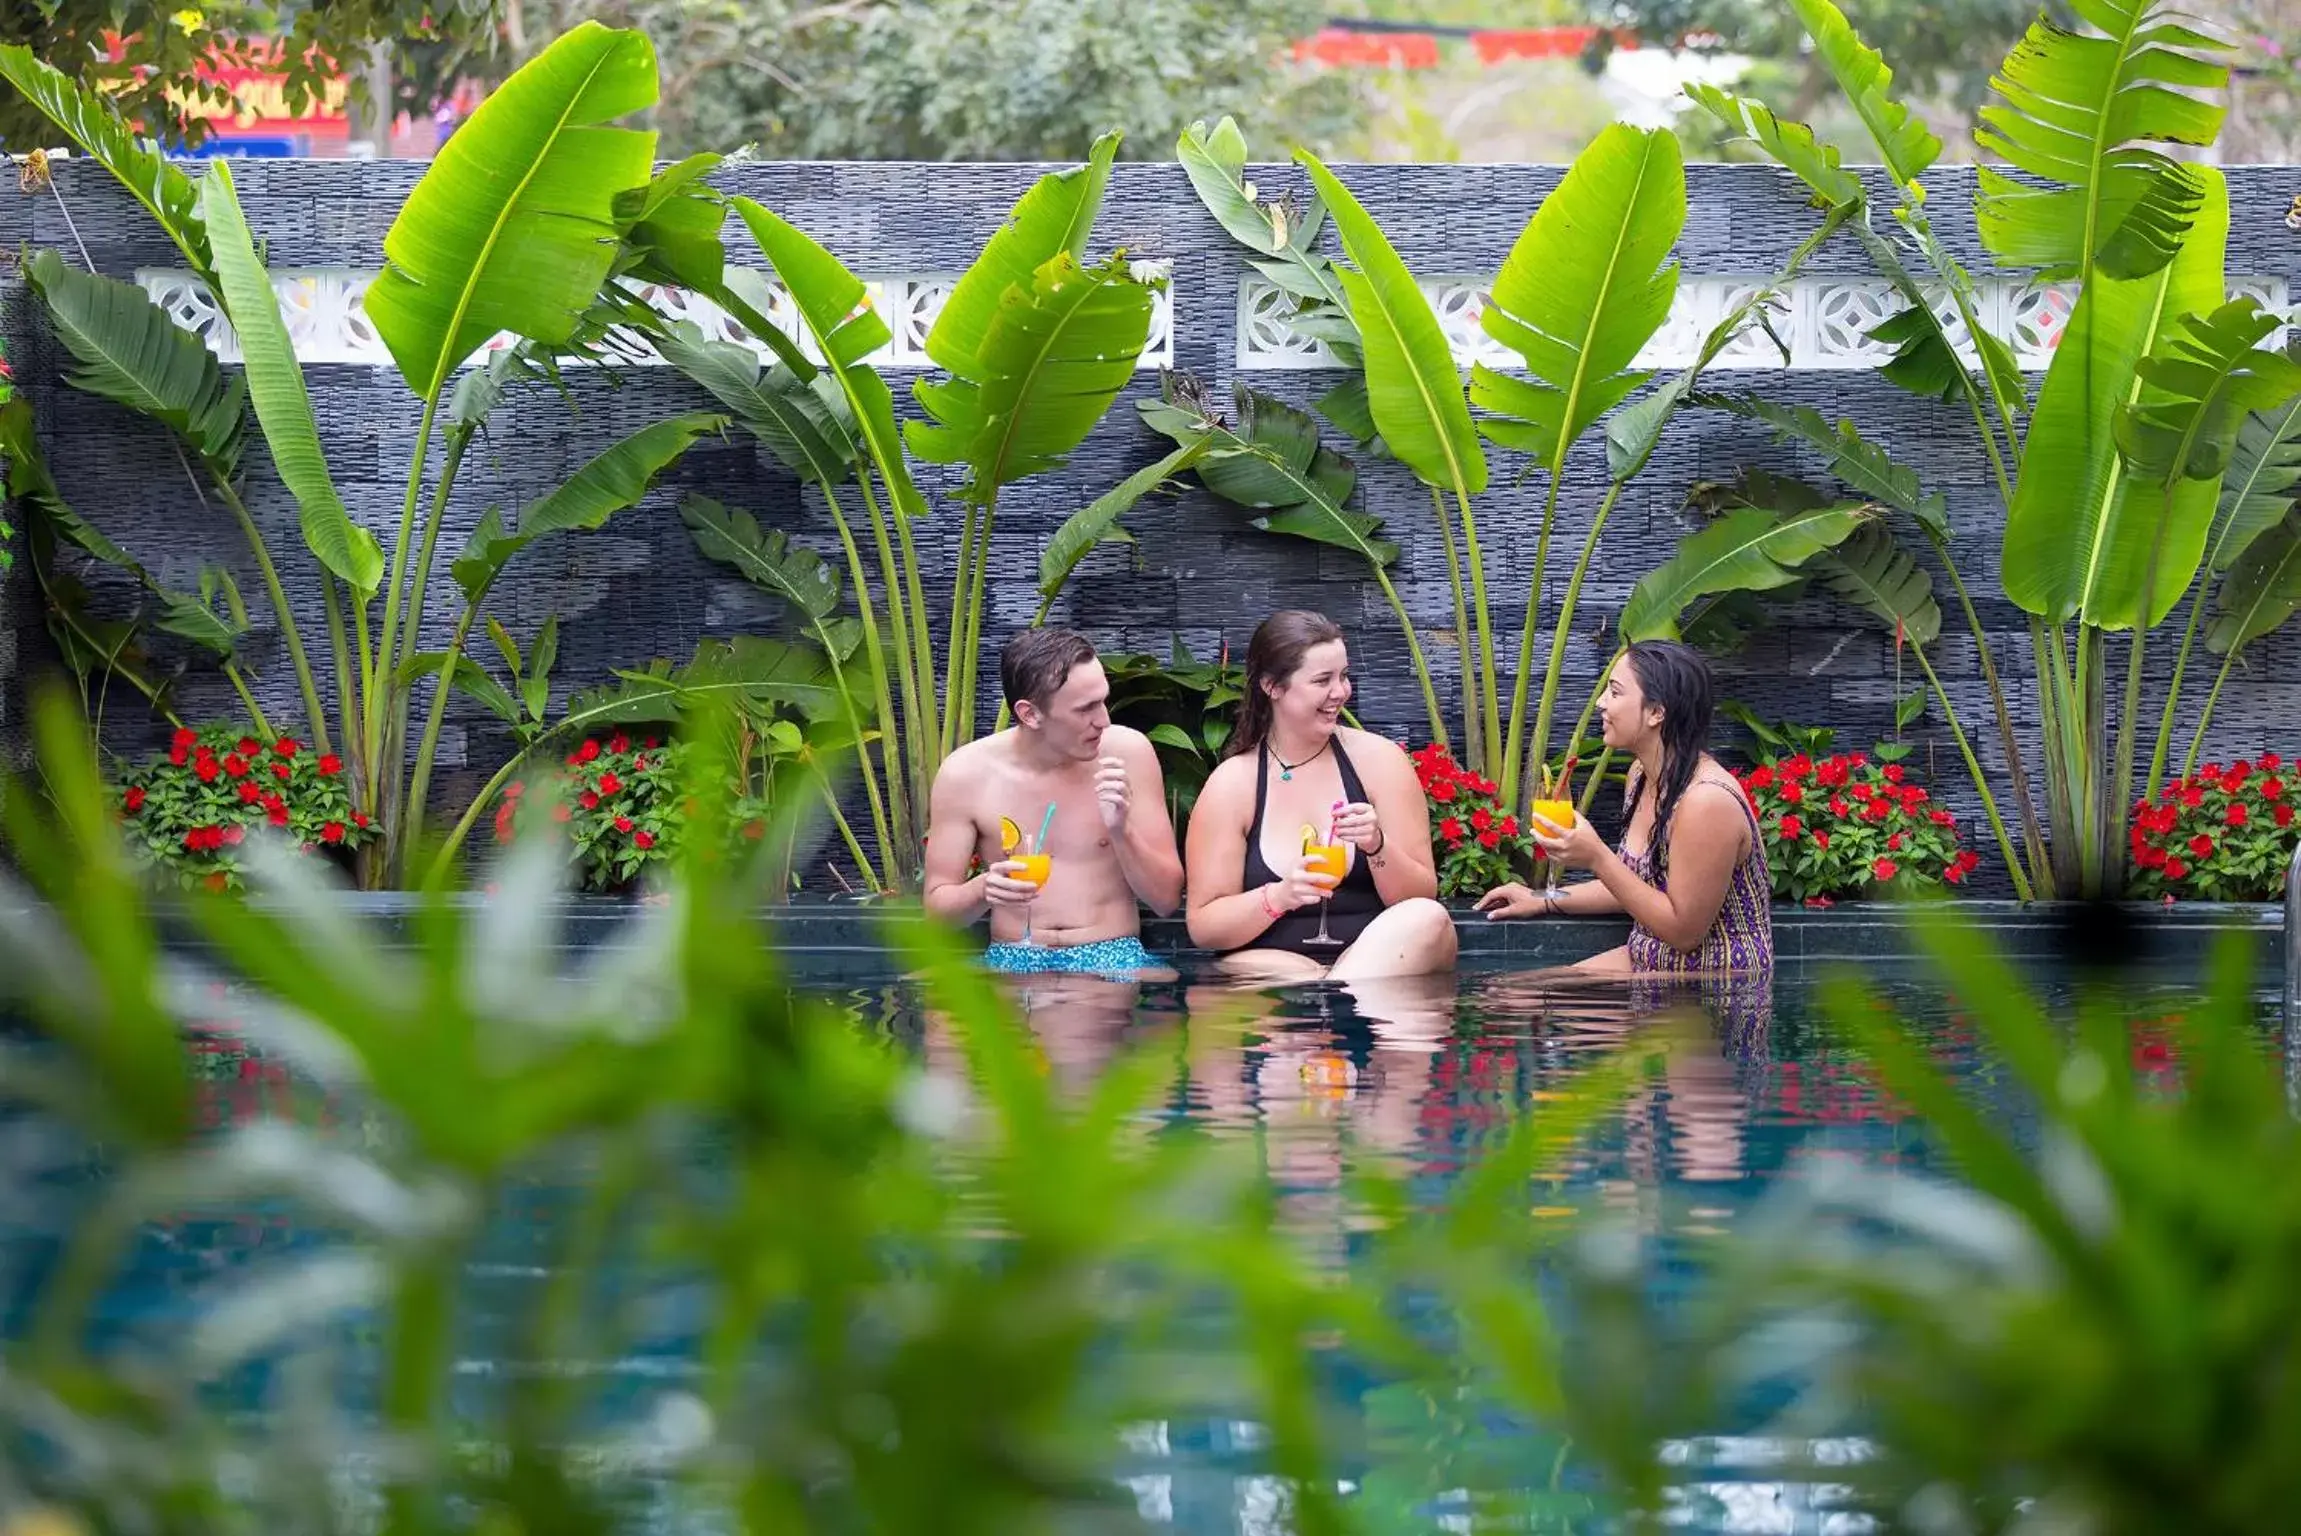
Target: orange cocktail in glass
point(1331, 859)
point(1032, 866)
point(1559, 817)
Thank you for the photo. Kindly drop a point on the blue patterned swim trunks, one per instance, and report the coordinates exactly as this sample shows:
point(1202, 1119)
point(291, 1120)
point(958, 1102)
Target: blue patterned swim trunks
point(1106, 957)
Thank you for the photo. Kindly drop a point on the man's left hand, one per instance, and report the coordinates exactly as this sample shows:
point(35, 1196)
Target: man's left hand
point(1111, 793)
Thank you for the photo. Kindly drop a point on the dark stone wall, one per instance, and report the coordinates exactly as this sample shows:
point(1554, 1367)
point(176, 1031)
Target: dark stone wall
point(638, 589)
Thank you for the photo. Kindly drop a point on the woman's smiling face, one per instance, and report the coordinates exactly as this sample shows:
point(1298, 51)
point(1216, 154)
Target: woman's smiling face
point(1625, 719)
point(1312, 700)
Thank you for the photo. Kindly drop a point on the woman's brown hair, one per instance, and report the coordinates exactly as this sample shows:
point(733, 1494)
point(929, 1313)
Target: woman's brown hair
point(1273, 656)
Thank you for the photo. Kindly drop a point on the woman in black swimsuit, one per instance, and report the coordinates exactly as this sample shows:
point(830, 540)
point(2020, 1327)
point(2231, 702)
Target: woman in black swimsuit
point(1293, 764)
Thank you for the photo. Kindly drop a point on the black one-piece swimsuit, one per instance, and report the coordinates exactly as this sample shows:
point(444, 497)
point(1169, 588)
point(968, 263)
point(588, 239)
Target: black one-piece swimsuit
point(1355, 902)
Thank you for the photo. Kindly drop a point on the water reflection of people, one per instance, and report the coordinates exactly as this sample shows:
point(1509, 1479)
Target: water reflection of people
point(1691, 872)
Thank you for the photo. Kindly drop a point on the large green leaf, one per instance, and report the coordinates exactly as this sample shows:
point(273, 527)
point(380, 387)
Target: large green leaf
point(1752, 550)
point(514, 227)
point(2257, 492)
point(1636, 430)
point(767, 558)
point(1584, 288)
point(126, 349)
point(2263, 589)
point(1098, 521)
point(793, 416)
point(1282, 234)
point(1792, 145)
point(2206, 376)
point(608, 484)
point(1052, 219)
point(1853, 459)
point(1904, 145)
point(836, 310)
point(1215, 161)
point(1925, 361)
point(152, 179)
point(672, 225)
point(1057, 349)
point(2076, 115)
point(746, 672)
point(1875, 574)
point(2075, 541)
point(1413, 390)
point(32, 487)
point(276, 386)
point(1275, 463)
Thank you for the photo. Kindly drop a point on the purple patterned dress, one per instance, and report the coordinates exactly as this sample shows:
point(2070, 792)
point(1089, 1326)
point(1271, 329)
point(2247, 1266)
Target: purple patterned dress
point(1742, 939)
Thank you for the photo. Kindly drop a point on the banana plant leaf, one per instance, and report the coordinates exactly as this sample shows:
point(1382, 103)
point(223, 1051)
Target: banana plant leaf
point(2076, 541)
point(514, 226)
point(1283, 235)
point(1584, 288)
point(673, 225)
point(1098, 523)
point(746, 672)
point(1792, 145)
point(151, 178)
point(1215, 161)
point(2262, 591)
point(837, 312)
point(1413, 390)
point(1905, 147)
point(1925, 362)
point(1054, 218)
point(1852, 458)
point(32, 488)
point(125, 349)
point(2258, 491)
point(2205, 378)
point(608, 484)
point(1275, 463)
point(1874, 573)
point(806, 582)
point(1636, 430)
point(275, 382)
point(2076, 115)
point(1751, 550)
point(796, 418)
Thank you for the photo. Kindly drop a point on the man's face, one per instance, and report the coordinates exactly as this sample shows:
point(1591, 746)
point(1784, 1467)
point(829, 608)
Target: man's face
point(1072, 722)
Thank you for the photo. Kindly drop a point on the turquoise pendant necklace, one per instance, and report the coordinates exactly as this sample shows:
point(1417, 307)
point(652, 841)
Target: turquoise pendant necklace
point(1286, 769)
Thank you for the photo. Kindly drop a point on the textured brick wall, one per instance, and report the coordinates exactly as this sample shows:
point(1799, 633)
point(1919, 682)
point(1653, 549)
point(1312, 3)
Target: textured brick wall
point(639, 590)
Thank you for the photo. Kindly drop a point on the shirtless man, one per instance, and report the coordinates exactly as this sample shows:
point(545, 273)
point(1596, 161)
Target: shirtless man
point(1111, 845)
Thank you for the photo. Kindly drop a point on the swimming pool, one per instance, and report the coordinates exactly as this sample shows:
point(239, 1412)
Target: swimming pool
point(1316, 1083)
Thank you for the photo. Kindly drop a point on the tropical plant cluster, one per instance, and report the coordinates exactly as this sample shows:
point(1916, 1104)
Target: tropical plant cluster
point(1845, 825)
point(192, 809)
point(1476, 836)
point(2219, 834)
point(619, 803)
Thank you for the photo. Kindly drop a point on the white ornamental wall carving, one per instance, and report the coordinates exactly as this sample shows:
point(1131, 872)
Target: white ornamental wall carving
point(328, 323)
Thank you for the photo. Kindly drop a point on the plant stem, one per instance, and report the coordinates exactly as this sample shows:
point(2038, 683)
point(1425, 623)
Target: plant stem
point(2021, 885)
point(2205, 716)
point(247, 699)
point(457, 442)
point(2173, 696)
point(1563, 626)
point(1514, 763)
point(922, 637)
point(846, 832)
point(381, 659)
point(401, 833)
point(970, 655)
point(415, 1365)
point(1473, 733)
point(958, 626)
point(906, 783)
point(288, 628)
point(1484, 675)
point(2025, 805)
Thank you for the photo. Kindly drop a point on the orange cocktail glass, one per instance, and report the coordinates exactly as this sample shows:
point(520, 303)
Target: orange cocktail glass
point(1560, 815)
point(1333, 861)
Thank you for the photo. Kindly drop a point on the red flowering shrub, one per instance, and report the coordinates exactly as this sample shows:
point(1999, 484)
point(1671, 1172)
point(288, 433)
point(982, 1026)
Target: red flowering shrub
point(1845, 826)
point(1479, 844)
point(2222, 834)
point(617, 799)
point(191, 809)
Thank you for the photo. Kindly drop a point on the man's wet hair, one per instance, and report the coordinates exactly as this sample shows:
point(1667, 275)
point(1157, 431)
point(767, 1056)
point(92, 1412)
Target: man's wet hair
point(1037, 662)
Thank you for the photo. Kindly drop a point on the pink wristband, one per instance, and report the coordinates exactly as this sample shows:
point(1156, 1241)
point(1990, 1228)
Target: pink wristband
point(1269, 910)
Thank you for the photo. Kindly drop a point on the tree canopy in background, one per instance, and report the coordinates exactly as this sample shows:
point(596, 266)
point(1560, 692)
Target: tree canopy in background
point(161, 44)
point(974, 79)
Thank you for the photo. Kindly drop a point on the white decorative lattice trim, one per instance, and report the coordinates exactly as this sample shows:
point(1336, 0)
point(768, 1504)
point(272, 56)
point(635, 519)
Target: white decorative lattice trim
point(1825, 322)
point(327, 323)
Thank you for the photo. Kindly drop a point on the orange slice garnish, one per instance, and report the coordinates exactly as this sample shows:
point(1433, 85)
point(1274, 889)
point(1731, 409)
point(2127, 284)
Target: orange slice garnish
point(1010, 836)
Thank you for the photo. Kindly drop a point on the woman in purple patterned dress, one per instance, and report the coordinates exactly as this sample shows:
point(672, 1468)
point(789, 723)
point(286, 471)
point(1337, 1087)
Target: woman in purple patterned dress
point(1691, 871)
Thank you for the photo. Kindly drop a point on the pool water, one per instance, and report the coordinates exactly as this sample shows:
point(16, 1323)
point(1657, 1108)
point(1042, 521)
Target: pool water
point(1410, 1077)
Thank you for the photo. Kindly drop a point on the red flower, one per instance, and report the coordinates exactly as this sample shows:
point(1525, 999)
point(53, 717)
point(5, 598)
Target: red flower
point(249, 792)
point(359, 818)
point(1955, 874)
point(1442, 792)
point(609, 784)
point(177, 755)
point(1892, 772)
point(1509, 826)
point(1761, 777)
point(195, 840)
point(1837, 805)
point(283, 772)
point(643, 839)
point(587, 752)
point(1489, 839)
point(331, 832)
point(207, 768)
point(2193, 796)
point(1832, 773)
point(622, 823)
point(277, 815)
point(236, 766)
point(2284, 813)
point(2238, 773)
point(2270, 761)
point(1885, 869)
point(1894, 843)
point(2272, 788)
point(249, 746)
point(2201, 846)
point(330, 765)
point(1969, 861)
point(1481, 819)
point(233, 834)
point(271, 802)
point(1451, 829)
point(183, 740)
point(2148, 855)
point(639, 763)
point(619, 743)
point(1792, 795)
point(1822, 840)
point(1942, 818)
point(1877, 810)
point(133, 799)
point(1791, 828)
point(2236, 815)
point(286, 746)
point(2175, 869)
point(1797, 767)
point(588, 800)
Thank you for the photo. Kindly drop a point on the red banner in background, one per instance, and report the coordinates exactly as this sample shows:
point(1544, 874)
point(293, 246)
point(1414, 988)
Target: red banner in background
point(1343, 46)
point(1340, 48)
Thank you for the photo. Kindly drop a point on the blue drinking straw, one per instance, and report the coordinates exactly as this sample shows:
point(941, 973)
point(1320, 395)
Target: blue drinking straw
point(1046, 825)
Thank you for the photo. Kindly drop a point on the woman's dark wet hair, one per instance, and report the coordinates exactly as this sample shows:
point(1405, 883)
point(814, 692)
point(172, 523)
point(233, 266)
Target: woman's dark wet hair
point(1676, 680)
